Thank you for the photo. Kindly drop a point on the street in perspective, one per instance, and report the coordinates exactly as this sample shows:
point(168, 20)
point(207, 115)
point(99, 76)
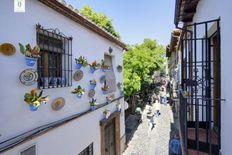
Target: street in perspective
point(87, 77)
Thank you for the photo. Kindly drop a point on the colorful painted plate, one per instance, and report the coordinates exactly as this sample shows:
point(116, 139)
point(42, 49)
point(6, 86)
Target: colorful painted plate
point(78, 75)
point(7, 49)
point(58, 103)
point(28, 77)
point(91, 93)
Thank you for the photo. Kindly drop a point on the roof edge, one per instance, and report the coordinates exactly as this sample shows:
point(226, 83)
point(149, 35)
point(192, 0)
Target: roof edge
point(77, 17)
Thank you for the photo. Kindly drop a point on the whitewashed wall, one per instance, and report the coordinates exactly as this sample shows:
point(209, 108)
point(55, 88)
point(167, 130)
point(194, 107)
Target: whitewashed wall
point(213, 9)
point(15, 117)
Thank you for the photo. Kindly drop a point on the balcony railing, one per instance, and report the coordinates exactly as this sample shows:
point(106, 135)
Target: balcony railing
point(200, 124)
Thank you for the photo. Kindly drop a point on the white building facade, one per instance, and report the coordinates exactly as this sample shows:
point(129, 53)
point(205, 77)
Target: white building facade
point(74, 129)
point(206, 74)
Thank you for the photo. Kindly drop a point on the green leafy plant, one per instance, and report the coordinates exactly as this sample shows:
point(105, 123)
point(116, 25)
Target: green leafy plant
point(82, 60)
point(79, 90)
point(104, 65)
point(94, 65)
point(35, 98)
point(120, 85)
point(100, 19)
point(30, 52)
point(93, 102)
point(139, 63)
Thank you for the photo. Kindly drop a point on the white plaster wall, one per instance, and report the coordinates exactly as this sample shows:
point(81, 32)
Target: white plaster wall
point(15, 116)
point(69, 139)
point(213, 9)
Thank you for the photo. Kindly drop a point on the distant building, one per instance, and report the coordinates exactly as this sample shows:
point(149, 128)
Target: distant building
point(68, 126)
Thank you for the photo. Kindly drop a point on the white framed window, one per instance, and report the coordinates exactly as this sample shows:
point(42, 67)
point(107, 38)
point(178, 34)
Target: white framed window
point(109, 74)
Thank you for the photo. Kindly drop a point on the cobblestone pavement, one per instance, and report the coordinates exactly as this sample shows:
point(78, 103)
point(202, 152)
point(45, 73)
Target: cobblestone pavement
point(152, 142)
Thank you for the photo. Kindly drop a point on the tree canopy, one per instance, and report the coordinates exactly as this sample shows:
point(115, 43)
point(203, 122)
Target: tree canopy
point(140, 62)
point(100, 19)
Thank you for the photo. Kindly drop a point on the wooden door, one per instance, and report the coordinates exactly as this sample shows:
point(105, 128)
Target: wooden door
point(110, 138)
point(216, 79)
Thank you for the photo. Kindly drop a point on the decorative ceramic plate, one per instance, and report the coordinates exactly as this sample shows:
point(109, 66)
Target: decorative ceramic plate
point(58, 103)
point(78, 75)
point(91, 93)
point(7, 49)
point(102, 79)
point(119, 68)
point(28, 77)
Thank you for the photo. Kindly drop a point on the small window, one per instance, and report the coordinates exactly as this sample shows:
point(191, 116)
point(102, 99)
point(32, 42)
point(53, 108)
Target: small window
point(110, 77)
point(30, 151)
point(88, 150)
point(55, 63)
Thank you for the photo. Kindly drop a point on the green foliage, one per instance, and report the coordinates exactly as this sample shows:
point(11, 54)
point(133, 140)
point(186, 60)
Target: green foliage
point(140, 62)
point(100, 19)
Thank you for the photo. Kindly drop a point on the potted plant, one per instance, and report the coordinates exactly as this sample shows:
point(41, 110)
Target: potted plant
point(31, 54)
point(78, 91)
point(105, 88)
point(120, 85)
point(81, 61)
point(107, 113)
point(93, 66)
point(110, 98)
point(121, 93)
point(93, 84)
point(93, 103)
point(104, 66)
point(34, 99)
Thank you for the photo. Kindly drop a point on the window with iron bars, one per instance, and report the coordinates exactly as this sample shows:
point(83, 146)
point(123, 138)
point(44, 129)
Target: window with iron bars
point(88, 150)
point(55, 63)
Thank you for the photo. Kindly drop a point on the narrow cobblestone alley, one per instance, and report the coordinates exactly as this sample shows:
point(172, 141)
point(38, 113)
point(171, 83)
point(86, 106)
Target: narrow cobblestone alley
point(152, 142)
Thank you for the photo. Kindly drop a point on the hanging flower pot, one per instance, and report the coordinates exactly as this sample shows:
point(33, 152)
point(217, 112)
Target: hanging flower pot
point(78, 91)
point(81, 61)
point(30, 61)
point(92, 70)
point(93, 107)
point(94, 66)
point(32, 107)
point(104, 66)
point(109, 99)
point(93, 84)
point(79, 95)
point(104, 92)
point(78, 66)
point(34, 99)
point(31, 55)
point(93, 104)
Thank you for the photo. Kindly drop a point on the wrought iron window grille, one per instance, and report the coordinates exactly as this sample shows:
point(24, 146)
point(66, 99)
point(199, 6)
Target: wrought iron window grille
point(88, 150)
point(55, 64)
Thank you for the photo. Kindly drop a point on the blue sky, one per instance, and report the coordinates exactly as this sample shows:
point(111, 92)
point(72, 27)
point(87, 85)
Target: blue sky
point(136, 19)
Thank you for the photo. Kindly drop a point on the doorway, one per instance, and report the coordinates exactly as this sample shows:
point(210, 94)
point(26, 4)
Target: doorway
point(110, 135)
point(110, 138)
